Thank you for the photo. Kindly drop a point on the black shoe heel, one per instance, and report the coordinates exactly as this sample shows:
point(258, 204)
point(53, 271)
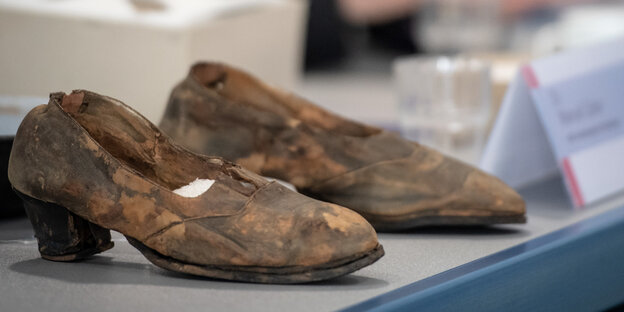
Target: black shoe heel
point(62, 235)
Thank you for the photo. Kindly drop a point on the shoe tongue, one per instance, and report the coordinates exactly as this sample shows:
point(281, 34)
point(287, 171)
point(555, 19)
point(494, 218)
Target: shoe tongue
point(71, 102)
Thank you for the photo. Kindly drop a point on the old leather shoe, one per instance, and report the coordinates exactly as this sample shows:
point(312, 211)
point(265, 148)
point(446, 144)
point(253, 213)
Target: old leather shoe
point(86, 163)
point(394, 183)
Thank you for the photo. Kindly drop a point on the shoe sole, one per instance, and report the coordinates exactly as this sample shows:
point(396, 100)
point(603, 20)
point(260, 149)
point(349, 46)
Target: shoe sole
point(265, 275)
point(424, 221)
point(65, 236)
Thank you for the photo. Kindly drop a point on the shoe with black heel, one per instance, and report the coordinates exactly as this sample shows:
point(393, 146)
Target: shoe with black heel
point(62, 235)
point(85, 164)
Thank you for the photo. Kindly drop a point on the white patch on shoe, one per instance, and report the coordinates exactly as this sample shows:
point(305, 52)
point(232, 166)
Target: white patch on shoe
point(195, 188)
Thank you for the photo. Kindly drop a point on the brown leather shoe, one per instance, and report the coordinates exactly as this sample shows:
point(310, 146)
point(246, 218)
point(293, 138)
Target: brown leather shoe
point(87, 163)
point(394, 183)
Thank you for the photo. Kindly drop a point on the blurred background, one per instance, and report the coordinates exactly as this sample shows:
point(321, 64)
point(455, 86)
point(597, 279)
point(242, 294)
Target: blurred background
point(434, 70)
point(416, 65)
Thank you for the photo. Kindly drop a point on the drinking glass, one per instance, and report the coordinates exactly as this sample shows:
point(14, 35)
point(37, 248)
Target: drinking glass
point(444, 103)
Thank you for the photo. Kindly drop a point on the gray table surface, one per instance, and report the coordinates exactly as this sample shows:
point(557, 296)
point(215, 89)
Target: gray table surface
point(122, 280)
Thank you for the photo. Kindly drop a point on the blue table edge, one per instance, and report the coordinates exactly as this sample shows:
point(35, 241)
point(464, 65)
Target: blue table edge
point(591, 230)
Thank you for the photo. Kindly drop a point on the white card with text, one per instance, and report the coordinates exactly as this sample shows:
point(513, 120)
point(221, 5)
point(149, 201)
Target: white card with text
point(567, 112)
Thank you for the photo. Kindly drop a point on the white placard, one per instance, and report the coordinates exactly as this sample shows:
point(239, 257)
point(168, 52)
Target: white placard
point(564, 112)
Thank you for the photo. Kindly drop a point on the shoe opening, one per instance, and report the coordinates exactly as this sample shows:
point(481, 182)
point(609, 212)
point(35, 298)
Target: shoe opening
point(239, 87)
point(140, 145)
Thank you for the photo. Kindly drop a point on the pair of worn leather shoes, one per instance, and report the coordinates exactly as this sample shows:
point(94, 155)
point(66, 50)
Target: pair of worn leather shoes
point(85, 164)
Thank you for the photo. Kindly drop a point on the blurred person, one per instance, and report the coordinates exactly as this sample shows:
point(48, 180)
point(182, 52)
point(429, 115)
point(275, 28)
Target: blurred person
point(381, 11)
point(388, 25)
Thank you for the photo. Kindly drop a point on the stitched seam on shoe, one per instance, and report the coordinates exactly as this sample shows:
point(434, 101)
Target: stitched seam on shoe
point(244, 208)
point(328, 180)
point(170, 226)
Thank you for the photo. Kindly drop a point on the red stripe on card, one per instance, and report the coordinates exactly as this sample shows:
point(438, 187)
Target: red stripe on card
point(529, 76)
point(574, 187)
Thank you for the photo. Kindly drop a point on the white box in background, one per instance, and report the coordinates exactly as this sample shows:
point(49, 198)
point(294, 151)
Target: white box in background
point(137, 55)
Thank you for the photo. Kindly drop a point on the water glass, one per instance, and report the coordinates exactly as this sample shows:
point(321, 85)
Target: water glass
point(444, 103)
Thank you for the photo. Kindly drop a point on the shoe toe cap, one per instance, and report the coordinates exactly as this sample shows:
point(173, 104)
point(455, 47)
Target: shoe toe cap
point(332, 233)
point(428, 186)
point(278, 228)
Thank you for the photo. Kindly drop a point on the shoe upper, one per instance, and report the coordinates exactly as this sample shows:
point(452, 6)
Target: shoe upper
point(108, 164)
point(220, 110)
